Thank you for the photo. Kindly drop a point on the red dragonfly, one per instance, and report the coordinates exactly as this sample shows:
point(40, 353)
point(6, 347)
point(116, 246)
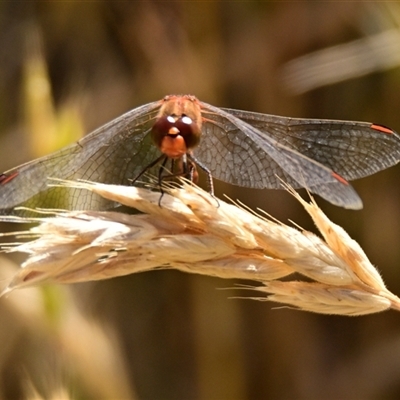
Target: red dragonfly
point(239, 147)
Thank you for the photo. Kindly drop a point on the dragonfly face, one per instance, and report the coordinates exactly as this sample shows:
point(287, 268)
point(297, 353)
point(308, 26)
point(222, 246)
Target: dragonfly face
point(239, 147)
point(177, 129)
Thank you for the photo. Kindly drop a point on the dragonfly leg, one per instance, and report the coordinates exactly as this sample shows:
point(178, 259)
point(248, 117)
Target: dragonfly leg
point(194, 162)
point(210, 181)
point(152, 164)
point(161, 177)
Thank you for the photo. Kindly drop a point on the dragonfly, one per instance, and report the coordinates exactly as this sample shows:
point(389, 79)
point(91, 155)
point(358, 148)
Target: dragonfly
point(242, 148)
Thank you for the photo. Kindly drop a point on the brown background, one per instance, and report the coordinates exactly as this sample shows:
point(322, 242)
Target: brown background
point(179, 337)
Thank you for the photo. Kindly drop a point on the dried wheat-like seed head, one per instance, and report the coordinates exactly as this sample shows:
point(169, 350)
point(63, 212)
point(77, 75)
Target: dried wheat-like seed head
point(193, 232)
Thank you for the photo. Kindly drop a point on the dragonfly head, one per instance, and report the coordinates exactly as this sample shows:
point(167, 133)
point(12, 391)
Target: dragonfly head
point(177, 129)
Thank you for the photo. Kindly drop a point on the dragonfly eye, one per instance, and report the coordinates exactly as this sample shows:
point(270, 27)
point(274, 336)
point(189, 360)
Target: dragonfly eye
point(189, 130)
point(171, 119)
point(186, 120)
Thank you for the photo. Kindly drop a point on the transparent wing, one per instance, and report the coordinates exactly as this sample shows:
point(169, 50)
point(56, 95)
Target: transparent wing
point(351, 149)
point(239, 153)
point(233, 156)
point(114, 153)
point(239, 147)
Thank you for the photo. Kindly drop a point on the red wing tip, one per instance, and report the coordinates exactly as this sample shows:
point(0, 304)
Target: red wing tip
point(382, 128)
point(340, 178)
point(4, 178)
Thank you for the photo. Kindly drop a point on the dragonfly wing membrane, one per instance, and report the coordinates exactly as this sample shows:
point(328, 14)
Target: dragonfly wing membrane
point(113, 154)
point(288, 164)
point(351, 149)
point(235, 158)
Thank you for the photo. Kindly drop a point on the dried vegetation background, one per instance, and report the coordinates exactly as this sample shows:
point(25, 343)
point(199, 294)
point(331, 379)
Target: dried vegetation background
point(66, 68)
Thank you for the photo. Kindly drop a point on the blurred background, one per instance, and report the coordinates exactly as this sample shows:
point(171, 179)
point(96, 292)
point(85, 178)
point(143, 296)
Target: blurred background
point(68, 67)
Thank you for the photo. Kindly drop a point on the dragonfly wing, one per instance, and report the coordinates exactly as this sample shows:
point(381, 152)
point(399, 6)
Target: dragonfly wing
point(234, 157)
point(317, 178)
point(238, 150)
point(351, 149)
point(113, 154)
